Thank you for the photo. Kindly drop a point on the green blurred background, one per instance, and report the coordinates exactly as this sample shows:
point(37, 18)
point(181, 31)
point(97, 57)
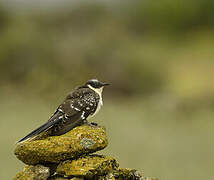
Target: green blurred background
point(157, 55)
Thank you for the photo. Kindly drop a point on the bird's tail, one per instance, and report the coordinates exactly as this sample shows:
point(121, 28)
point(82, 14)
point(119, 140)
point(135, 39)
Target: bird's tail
point(53, 120)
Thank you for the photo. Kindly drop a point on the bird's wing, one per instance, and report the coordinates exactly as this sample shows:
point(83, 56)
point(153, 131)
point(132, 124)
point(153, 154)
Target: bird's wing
point(82, 100)
point(77, 107)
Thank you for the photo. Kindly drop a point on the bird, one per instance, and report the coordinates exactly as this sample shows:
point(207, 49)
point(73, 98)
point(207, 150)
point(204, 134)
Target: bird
point(79, 105)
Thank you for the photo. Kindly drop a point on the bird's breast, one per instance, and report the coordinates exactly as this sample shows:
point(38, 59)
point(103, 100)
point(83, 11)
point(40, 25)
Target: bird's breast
point(100, 103)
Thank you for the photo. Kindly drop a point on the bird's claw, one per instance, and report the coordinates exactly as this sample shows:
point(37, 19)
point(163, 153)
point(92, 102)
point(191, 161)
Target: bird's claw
point(85, 121)
point(90, 123)
point(93, 124)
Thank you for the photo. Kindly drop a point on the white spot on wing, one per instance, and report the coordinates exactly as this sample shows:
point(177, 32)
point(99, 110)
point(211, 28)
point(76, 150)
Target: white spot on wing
point(60, 117)
point(60, 110)
point(82, 116)
point(75, 108)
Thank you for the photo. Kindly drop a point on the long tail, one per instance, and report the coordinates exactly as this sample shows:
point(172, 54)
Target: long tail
point(53, 120)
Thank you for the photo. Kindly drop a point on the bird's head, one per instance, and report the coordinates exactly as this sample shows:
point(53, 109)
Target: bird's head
point(95, 85)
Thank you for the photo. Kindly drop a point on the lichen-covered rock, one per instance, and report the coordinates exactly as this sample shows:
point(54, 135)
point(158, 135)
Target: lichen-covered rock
point(150, 178)
point(80, 140)
point(109, 176)
point(88, 166)
point(127, 174)
point(37, 172)
point(57, 177)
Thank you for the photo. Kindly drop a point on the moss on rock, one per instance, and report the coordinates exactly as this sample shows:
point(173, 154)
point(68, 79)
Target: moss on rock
point(57, 177)
point(37, 172)
point(88, 166)
point(127, 174)
point(79, 141)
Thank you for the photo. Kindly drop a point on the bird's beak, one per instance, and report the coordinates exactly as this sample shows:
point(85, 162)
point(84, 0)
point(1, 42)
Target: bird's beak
point(105, 84)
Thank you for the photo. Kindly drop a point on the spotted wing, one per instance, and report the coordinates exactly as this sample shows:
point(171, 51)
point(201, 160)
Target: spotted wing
point(76, 108)
point(83, 99)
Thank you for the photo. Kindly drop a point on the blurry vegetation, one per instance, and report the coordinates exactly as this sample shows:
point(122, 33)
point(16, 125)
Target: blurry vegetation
point(131, 45)
point(177, 16)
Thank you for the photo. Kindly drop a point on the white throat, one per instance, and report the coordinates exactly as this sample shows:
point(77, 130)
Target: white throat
point(99, 92)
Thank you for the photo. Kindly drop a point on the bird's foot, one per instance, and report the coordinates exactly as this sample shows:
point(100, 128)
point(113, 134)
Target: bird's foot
point(85, 121)
point(93, 124)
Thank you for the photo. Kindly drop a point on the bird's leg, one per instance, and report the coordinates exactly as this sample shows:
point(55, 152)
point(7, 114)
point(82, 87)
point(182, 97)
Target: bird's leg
point(85, 121)
point(93, 124)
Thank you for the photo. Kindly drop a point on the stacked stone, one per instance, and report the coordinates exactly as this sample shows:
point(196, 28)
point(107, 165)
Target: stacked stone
point(69, 156)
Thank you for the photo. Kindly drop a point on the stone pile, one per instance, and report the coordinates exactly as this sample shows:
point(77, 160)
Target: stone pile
point(70, 156)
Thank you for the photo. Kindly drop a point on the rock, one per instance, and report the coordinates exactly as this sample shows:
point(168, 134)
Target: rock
point(79, 141)
point(127, 174)
point(67, 157)
point(37, 172)
point(109, 176)
point(88, 166)
point(57, 177)
point(150, 178)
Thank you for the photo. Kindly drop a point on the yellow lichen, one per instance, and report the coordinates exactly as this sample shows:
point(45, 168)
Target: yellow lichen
point(88, 166)
point(58, 148)
point(127, 174)
point(37, 172)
